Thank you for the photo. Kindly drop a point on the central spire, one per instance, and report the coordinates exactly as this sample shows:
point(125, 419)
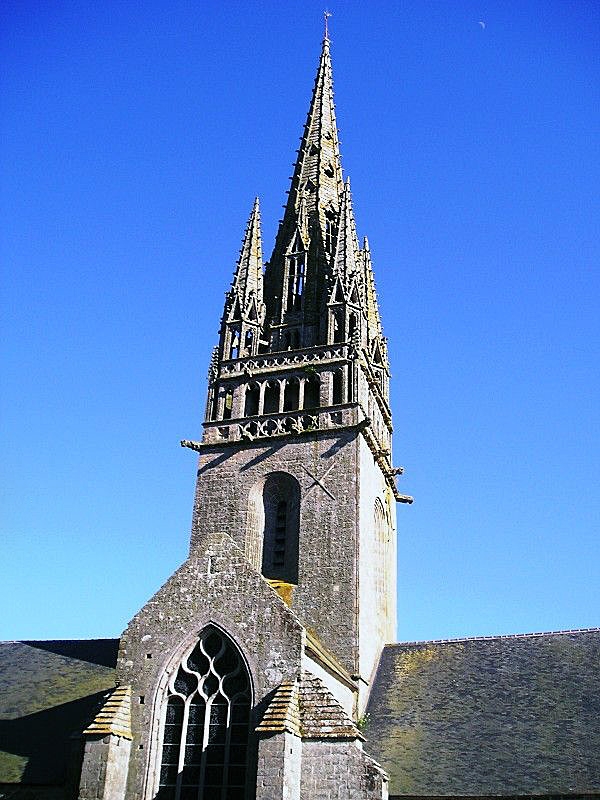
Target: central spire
point(295, 279)
point(317, 182)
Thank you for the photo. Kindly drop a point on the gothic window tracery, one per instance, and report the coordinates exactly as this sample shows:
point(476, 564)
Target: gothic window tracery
point(206, 724)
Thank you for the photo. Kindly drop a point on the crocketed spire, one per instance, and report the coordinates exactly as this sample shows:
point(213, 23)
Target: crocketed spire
point(248, 276)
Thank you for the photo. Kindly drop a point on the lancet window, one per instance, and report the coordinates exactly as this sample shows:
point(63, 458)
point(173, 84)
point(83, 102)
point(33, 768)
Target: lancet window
point(234, 351)
point(281, 509)
point(312, 391)
point(205, 733)
point(291, 396)
point(338, 388)
point(271, 398)
point(252, 400)
point(228, 404)
point(383, 534)
point(295, 281)
point(328, 234)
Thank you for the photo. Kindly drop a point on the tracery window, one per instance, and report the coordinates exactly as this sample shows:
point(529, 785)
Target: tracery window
point(205, 738)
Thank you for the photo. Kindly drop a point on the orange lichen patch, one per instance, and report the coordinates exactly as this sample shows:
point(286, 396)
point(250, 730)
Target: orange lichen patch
point(413, 660)
point(114, 717)
point(283, 589)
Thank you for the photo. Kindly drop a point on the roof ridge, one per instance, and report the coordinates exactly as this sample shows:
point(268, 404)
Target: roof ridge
point(496, 636)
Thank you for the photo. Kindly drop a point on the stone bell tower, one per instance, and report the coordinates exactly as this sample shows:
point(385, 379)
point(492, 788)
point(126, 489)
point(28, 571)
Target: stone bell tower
point(295, 461)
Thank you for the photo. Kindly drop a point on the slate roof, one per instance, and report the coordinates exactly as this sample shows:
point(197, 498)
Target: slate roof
point(50, 690)
point(504, 716)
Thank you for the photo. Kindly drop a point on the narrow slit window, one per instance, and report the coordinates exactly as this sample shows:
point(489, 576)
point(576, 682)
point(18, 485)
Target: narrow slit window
point(228, 404)
point(295, 286)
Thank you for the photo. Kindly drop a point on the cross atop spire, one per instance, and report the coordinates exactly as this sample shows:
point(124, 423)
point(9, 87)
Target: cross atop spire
point(326, 15)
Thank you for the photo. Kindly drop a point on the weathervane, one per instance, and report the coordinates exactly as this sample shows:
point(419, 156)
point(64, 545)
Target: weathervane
point(326, 15)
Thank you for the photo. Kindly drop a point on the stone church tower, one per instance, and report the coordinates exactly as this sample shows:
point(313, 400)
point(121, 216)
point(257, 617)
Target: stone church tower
point(246, 674)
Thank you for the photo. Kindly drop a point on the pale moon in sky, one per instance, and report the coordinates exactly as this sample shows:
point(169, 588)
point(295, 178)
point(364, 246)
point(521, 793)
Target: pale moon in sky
point(482, 24)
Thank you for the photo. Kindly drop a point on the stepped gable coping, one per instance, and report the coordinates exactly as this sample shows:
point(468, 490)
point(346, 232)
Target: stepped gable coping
point(416, 643)
point(283, 712)
point(114, 717)
point(322, 716)
point(306, 708)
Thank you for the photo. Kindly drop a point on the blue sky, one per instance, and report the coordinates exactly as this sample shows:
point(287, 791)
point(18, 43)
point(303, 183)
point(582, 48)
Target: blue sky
point(134, 139)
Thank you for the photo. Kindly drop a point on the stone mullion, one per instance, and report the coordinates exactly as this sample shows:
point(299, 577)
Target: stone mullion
point(301, 394)
point(261, 397)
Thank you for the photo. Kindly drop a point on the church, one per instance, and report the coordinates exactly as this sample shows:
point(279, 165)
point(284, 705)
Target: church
point(265, 668)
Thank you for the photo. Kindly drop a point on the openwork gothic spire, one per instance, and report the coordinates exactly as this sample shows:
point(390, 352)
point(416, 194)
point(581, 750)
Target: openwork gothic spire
point(248, 279)
point(296, 275)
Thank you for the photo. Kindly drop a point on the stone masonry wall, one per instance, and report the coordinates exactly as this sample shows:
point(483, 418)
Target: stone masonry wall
point(104, 769)
point(326, 465)
point(377, 621)
point(215, 585)
point(340, 770)
point(279, 767)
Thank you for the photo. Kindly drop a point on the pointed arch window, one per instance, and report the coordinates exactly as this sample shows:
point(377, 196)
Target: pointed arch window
point(291, 395)
point(312, 392)
point(338, 388)
point(204, 753)
point(228, 404)
point(295, 281)
point(338, 328)
point(328, 233)
point(281, 515)
point(248, 340)
point(234, 351)
point(271, 399)
point(252, 400)
point(352, 326)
